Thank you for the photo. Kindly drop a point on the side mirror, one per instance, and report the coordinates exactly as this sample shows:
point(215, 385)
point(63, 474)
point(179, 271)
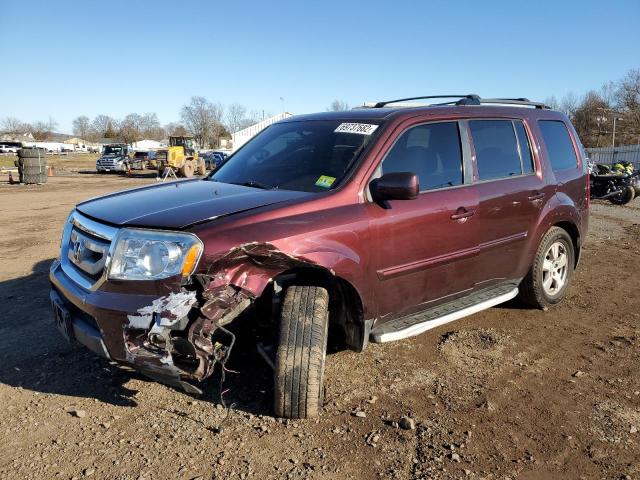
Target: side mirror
point(394, 186)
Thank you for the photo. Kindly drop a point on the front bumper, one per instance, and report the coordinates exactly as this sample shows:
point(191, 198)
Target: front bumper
point(112, 168)
point(100, 321)
point(99, 317)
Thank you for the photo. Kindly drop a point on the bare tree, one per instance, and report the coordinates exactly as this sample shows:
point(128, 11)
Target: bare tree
point(203, 119)
point(175, 129)
point(235, 117)
point(628, 101)
point(103, 125)
point(252, 118)
point(13, 125)
point(590, 117)
point(552, 102)
point(41, 130)
point(150, 127)
point(81, 126)
point(217, 128)
point(569, 104)
point(338, 106)
point(129, 128)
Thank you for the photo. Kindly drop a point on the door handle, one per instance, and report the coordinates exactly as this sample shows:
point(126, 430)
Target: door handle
point(463, 213)
point(536, 196)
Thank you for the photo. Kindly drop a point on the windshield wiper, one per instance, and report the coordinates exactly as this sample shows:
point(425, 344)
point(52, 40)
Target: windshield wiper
point(254, 184)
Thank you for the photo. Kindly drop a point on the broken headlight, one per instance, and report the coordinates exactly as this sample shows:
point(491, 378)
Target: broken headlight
point(152, 255)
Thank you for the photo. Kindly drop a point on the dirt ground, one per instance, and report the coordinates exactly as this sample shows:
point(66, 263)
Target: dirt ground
point(506, 393)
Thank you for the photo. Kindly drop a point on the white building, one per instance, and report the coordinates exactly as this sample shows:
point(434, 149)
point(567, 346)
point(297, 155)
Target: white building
point(243, 136)
point(145, 145)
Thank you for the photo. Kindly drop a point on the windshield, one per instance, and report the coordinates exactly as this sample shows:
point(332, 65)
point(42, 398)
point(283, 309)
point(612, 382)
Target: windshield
point(113, 150)
point(309, 156)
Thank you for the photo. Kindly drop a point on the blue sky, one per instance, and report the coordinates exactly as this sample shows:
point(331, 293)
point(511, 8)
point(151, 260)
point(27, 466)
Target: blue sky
point(63, 58)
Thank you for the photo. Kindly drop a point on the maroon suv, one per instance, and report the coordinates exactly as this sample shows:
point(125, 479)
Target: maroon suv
point(377, 223)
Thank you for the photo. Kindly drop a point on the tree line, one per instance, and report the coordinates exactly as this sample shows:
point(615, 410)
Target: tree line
point(593, 114)
point(207, 121)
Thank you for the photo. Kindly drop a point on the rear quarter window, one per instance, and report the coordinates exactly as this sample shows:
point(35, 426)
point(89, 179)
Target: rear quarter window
point(562, 155)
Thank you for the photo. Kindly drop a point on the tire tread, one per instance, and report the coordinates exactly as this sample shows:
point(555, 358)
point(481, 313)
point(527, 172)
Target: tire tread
point(301, 352)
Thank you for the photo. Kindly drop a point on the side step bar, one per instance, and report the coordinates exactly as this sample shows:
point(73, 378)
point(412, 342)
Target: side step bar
point(421, 322)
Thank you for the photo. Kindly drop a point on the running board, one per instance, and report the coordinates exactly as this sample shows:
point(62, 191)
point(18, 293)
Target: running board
point(420, 322)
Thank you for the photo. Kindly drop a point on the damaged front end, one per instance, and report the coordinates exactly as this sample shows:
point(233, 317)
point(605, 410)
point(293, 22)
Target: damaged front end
point(180, 337)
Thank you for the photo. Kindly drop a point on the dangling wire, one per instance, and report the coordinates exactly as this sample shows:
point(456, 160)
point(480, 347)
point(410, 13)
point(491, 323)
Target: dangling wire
point(223, 370)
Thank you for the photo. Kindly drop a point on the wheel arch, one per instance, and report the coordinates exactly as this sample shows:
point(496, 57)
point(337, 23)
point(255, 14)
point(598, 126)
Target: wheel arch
point(345, 302)
point(573, 231)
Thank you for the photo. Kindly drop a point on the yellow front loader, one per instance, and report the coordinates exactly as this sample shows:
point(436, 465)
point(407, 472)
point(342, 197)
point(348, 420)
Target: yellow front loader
point(181, 157)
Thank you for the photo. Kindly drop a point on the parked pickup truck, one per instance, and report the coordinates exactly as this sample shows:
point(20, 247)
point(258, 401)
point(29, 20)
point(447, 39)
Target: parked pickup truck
point(375, 224)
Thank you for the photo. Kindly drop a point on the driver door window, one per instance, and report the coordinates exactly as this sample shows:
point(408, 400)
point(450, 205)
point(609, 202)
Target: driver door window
point(432, 151)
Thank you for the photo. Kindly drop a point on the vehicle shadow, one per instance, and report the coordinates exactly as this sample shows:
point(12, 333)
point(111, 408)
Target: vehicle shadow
point(34, 356)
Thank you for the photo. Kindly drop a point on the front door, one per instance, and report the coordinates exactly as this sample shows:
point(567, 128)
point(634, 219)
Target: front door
point(426, 248)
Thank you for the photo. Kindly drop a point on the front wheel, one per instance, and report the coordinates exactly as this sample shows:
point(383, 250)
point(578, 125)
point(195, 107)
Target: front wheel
point(550, 275)
point(302, 348)
point(628, 193)
point(187, 169)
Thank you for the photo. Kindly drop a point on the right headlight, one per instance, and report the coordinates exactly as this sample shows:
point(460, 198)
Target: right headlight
point(153, 255)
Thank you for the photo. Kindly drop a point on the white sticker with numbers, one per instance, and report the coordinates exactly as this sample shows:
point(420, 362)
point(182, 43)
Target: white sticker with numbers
point(359, 128)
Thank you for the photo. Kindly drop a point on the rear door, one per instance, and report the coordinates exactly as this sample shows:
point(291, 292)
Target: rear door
point(512, 192)
point(425, 249)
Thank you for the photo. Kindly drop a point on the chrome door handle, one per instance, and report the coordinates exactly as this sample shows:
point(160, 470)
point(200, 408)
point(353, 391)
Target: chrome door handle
point(463, 214)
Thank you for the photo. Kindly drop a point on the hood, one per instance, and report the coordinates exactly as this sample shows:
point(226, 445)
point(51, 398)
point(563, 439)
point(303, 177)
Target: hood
point(180, 204)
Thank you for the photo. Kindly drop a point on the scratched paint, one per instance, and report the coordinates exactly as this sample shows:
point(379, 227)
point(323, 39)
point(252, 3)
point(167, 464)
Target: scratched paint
point(170, 308)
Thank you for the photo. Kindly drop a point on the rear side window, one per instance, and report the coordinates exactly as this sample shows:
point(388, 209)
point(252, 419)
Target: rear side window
point(432, 151)
point(501, 150)
point(556, 137)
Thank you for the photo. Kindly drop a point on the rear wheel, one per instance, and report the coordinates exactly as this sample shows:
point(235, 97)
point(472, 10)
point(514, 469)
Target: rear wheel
point(302, 348)
point(202, 168)
point(187, 169)
point(550, 275)
point(628, 193)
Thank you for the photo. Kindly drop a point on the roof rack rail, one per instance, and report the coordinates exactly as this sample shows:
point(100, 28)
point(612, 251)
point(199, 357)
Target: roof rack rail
point(469, 99)
point(514, 101)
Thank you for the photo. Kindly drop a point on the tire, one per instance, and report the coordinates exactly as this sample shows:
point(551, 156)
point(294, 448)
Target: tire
point(202, 168)
point(187, 169)
point(33, 178)
point(532, 288)
point(31, 153)
point(628, 193)
point(302, 347)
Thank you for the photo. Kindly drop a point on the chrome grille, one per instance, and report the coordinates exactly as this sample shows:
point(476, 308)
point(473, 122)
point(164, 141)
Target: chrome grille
point(86, 250)
point(87, 253)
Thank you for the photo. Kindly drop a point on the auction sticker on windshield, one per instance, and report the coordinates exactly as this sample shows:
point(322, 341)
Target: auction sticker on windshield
point(325, 181)
point(359, 128)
